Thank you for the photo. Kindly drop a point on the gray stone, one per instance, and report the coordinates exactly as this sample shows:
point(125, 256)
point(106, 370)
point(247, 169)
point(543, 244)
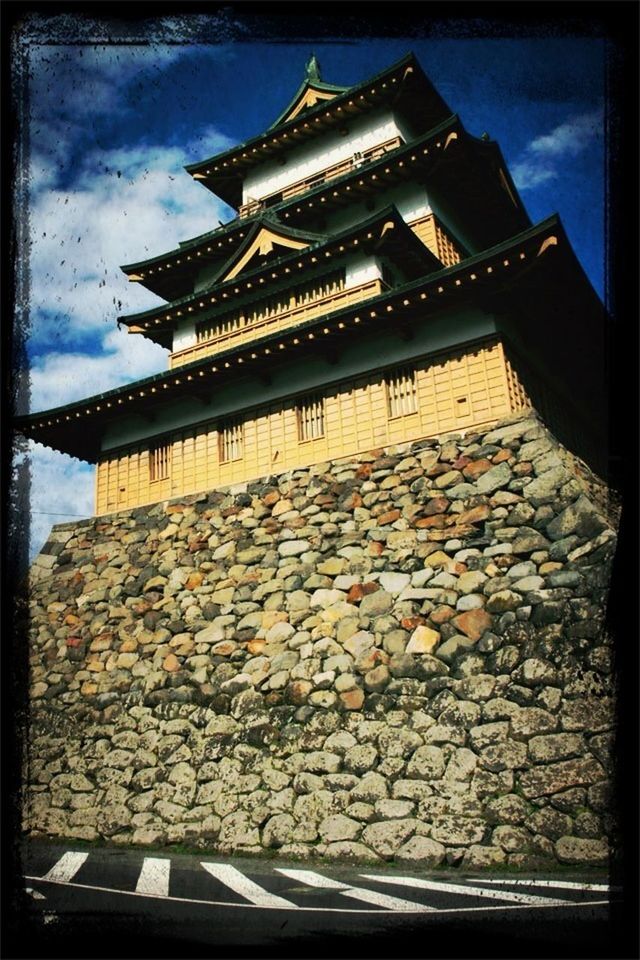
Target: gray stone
point(477, 857)
point(360, 758)
point(550, 823)
point(579, 850)
point(504, 755)
point(372, 787)
point(394, 809)
point(376, 604)
point(386, 838)
point(555, 746)
point(578, 518)
point(494, 478)
point(458, 831)
point(338, 827)
point(278, 830)
point(427, 763)
point(394, 583)
point(556, 777)
point(510, 809)
point(421, 850)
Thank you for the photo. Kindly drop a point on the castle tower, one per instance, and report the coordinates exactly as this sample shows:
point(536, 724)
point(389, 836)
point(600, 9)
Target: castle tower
point(381, 283)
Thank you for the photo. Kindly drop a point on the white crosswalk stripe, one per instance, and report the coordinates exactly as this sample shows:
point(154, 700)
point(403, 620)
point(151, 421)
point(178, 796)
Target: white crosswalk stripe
point(470, 891)
point(241, 884)
point(355, 893)
point(66, 867)
point(154, 877)
point(561, 884)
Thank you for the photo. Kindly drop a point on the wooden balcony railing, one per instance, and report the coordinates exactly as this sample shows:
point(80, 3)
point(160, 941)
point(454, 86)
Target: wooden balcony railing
point(300, 186)
point(288, 318)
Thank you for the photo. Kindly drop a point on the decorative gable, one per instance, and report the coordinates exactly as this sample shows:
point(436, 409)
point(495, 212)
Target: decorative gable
point(308, 98)
point(266, 242)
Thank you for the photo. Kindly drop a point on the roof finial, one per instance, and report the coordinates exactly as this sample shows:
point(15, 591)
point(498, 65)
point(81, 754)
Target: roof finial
point(312, 69)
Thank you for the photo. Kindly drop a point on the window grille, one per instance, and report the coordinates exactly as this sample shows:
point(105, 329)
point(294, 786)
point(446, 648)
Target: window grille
point(231, 440)
point(402, 392)
point(310, 418)
point(159, 459)
point(271, 307)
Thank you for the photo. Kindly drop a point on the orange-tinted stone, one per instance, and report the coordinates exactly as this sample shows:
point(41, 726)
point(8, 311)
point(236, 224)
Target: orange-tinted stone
point(442, 614)
point(410, 623)
point(270, 498)
point(437, 469)
point(476, 468)
point(474, 515)
point(473, 623)
point(352, 699)
point(436, 522)
point(255, 647)
point(364, 471)
point(171, 663)
point(360, 590)
point(194, 580)
point(436, 505)
point(390, 517)
point(502, 455)
point(375, 548)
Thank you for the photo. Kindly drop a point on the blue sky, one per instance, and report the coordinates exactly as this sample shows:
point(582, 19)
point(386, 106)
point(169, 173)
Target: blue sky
point(110, 128)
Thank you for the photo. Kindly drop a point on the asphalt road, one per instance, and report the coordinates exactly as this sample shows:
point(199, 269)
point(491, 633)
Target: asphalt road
point(112, 902)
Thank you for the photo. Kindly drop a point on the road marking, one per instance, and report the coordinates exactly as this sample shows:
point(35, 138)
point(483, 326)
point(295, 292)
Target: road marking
point(154, 877)
point(314, 879)
point(568, 884)
point(241, 884)
point(460, 888)
point(66, 867)
point(561, 904)
point(34, 893)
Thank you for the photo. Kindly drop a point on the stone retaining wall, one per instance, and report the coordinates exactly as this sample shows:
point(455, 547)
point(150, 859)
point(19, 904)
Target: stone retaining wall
point(401, 655)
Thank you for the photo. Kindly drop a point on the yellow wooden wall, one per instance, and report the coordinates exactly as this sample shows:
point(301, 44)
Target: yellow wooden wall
point(469, 387)
point(434, 236)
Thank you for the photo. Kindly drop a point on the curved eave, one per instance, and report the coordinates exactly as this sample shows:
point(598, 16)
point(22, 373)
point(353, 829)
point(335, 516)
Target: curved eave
point(223, 173)
point(77, 427)
point(231, 235)
point(499, 214)
point(403, 241)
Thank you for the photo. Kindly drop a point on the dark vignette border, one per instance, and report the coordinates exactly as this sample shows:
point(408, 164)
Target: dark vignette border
point(119, 22)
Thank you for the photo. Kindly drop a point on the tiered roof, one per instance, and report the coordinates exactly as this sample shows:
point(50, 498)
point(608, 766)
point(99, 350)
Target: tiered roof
point(533, 277)
point(385, 233)
point(470, 170)
point(403, 85)
point(526, 277)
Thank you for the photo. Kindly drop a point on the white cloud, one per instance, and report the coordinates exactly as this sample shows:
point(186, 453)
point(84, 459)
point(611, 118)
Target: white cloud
point(61, 489)
point(531, 173)
point(125, 205)
point(60, 378)
point(541, 159)
point(571, 137)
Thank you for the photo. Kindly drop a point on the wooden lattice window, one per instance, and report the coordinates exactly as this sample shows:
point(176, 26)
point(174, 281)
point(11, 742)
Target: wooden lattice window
point(310, 412)
point(402, 392)
point(231, 441)
point(159, 461)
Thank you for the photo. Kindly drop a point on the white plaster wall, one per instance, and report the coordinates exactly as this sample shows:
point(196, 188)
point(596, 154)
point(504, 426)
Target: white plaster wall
point(322, 152)
point(185, 335)
point(359, 354)
point(360, 269)
point(411, 199)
